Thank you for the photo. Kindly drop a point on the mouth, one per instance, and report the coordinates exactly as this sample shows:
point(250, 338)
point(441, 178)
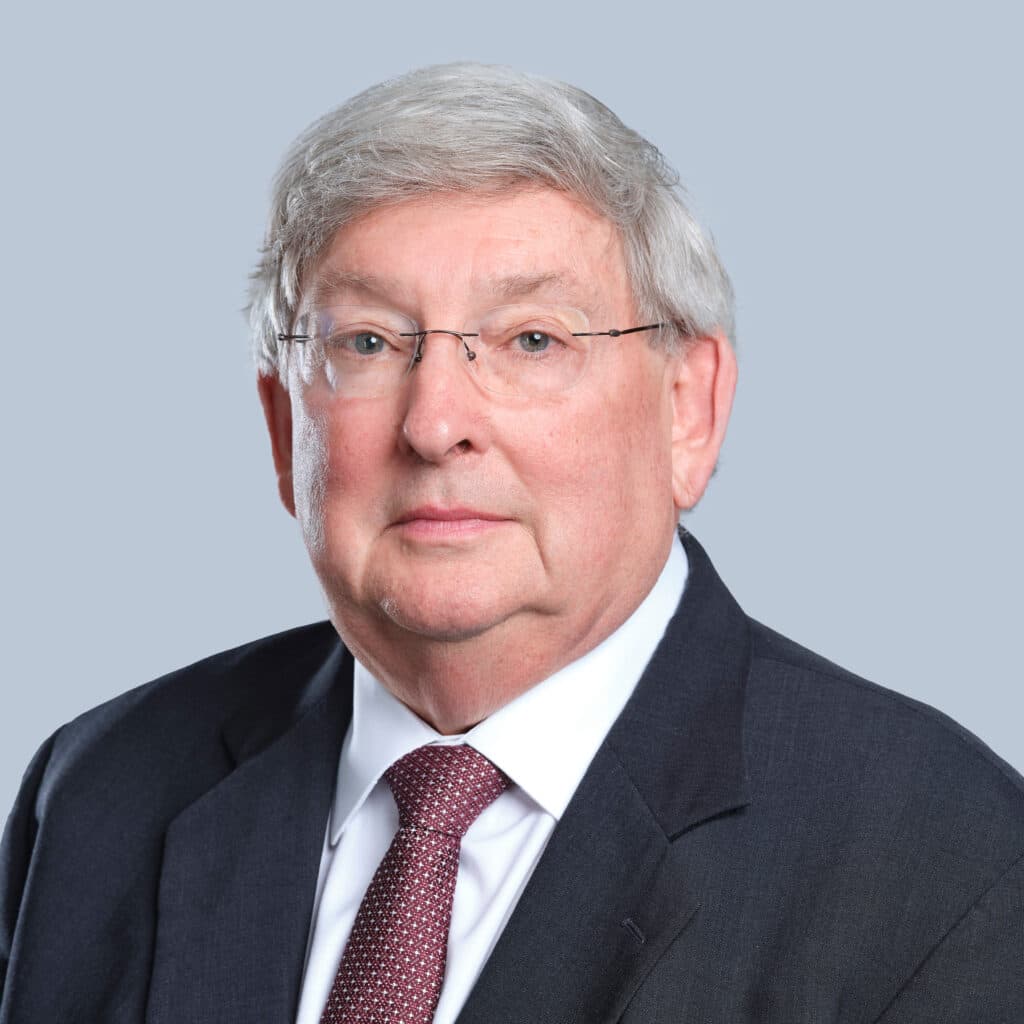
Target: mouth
point(435, 522)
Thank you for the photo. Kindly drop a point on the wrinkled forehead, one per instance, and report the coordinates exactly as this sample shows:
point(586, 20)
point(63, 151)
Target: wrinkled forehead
point(524, 245)
point(331, 285)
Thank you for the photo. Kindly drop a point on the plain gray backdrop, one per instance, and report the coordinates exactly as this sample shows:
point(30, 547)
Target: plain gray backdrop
point(860, 168)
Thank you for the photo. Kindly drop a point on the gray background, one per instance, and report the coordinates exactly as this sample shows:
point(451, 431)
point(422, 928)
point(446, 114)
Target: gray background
point(861, 170)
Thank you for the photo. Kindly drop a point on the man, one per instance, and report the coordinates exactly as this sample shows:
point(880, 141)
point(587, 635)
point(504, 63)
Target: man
point(539, 766)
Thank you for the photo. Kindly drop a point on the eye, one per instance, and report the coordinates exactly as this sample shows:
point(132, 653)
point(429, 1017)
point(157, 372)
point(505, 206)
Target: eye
point(366, 343)
point(534, 341)
point(358, 342)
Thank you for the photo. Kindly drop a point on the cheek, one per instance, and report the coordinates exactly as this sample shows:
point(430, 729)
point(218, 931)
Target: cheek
point(341, 454)
point(625, 459)
point(591, 468)
point(309, 474)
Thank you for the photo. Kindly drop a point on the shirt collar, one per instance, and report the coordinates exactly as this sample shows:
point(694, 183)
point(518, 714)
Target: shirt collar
point(544, 740)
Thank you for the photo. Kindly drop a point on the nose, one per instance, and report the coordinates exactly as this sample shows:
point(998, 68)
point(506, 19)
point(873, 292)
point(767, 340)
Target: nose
point(445, 411)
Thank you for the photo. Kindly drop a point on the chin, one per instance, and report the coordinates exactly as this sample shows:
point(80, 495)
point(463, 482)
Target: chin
point(448, 600)
point(457, 619)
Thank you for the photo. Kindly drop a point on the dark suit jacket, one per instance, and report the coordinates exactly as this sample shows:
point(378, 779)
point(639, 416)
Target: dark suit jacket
point(762, 837)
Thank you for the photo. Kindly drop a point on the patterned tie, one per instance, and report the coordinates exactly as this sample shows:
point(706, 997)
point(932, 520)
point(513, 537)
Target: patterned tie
point(393, 966)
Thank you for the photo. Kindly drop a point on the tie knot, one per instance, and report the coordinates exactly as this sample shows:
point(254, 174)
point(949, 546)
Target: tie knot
point(444, 788)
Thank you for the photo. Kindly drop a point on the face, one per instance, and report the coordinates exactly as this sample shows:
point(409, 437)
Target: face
point(446, 514)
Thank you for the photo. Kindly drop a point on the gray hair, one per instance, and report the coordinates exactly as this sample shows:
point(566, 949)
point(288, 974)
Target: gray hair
point(476, 128)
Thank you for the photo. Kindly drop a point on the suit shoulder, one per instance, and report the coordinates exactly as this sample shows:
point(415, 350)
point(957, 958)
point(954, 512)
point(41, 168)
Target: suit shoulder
point(876, 739)
point(179, 716)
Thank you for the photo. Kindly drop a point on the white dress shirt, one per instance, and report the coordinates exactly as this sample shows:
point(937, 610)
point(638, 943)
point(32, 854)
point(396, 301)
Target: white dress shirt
point(544, 740)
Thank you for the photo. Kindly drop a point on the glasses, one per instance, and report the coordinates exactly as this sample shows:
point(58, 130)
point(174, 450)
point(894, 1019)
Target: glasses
point(521, 351)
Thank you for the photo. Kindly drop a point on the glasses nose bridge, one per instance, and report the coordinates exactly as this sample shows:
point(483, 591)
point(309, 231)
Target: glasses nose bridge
point(421, 337)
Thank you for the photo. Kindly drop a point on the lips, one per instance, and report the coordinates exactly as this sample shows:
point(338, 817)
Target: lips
point(454, 514)
point(445, 525)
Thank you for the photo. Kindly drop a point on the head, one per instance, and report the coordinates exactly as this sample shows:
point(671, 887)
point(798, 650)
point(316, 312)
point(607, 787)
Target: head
point(434, 197)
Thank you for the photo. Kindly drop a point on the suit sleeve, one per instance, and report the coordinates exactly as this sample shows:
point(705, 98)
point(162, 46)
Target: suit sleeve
point(976, 974)
point(16, 853)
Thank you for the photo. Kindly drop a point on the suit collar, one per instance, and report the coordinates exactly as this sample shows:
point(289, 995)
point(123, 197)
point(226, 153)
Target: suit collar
point(282, 695)
point(680, 737)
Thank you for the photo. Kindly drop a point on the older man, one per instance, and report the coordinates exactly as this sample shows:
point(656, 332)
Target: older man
point(539, 766)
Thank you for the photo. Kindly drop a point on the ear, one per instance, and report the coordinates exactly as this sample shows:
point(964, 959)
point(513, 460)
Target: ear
point(702, 391)
point(277, 408)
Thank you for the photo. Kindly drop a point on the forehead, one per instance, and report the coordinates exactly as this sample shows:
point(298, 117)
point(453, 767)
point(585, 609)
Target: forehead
point(534, 243)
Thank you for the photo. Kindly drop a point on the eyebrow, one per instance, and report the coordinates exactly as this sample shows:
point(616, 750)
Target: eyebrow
point(518, 286)
point(331, 282)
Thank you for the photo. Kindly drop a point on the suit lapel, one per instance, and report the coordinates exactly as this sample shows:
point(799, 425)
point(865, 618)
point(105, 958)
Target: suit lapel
point(611, 891)
point(240, 865)
point(594, 917)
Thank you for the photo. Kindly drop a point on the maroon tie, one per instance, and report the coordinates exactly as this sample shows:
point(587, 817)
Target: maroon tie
point(393, 965)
